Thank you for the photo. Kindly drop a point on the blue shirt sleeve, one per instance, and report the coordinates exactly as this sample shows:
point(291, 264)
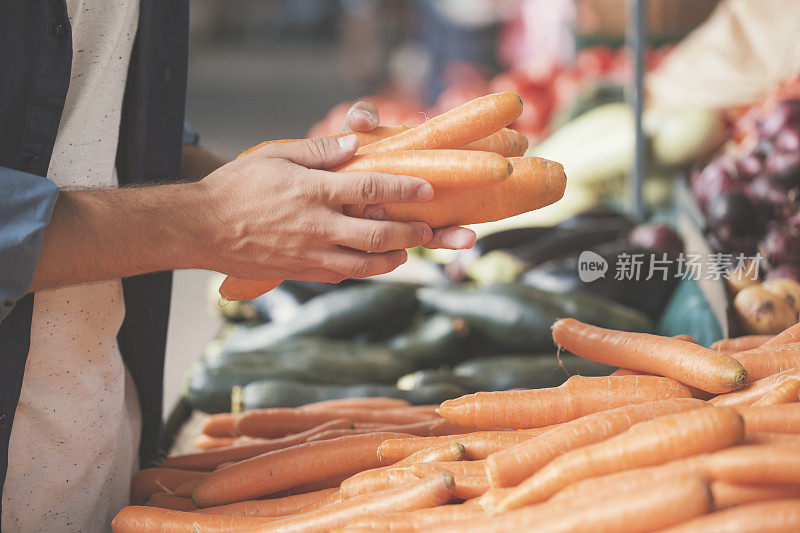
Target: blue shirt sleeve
point(26, 206)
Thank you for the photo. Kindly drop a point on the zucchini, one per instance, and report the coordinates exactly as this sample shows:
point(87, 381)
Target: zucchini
point(285, 393)
point(433, 376)
point(431, 342)
point(375, 308)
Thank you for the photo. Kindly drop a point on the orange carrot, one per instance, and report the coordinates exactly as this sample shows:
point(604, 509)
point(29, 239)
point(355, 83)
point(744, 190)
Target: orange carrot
point(779, 439)
point(670, 502)
point(648, 443)
point(146, 482)
point(184, 490)
point(272, 507)
point(422, 494)
point(314, 486)
point(685, 338)
point(688, 363)
point(364, 137)
point(322, 502)
point(440, 168)
point(279, 421)
point(505, 141)
point(283, 469)
point(420, 519)
point(756, 464)
point(765, 361)
point(136, 519)
point(166, 500)
point(509, 467)
point(469, 477)
point(205, 442)
point(460, 126)
point(426, 428)
point(730, 494)
point(775, 516)
point(629, 372)
point(790, 334)
point(578, 396)
point(533, 184)
point(740, 344)
point(211, 459)
point(374, 402)
point(754, 391)
point(786, 392)
point(478, 445)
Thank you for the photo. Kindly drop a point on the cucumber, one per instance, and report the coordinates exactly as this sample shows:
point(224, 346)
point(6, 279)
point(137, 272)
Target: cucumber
point(526, 371)
point(285, 393)
point(375, 308)
point(431, 342)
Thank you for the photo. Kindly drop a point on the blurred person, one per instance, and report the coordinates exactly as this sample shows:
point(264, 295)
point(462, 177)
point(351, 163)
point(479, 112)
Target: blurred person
point(92, 221)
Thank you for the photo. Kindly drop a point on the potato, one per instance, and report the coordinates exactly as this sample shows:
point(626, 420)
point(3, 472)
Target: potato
point(786, 289)
point(762, 313)
point(739, 278)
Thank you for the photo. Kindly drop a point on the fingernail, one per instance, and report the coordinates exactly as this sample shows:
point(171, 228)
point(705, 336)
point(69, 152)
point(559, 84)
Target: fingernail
point(361, 114)
point(375, 212)
point(425, 192)
point(427, 234)
point(464, 238)
point(348, 142)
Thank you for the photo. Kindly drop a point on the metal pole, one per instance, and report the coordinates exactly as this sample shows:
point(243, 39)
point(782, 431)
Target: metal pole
point(636, 37)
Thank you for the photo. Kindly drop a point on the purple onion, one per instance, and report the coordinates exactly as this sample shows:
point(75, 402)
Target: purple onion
point(782, 246)
point(659, 237)
point(785, 114)
point(784, 271)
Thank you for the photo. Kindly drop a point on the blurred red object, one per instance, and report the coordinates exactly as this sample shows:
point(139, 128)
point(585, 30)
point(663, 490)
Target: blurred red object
point(594, 62)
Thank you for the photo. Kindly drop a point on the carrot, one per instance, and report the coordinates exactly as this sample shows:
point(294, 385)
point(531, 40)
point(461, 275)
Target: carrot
point(763, 517)
point(790, 334)
point(426, 428)
point(505, 141)
point(420, 519)
point(754, 391)
point(740, 344)
point(333, 497)
point(283, 469)
point(469, 477)
point(780, 439)
point(166, 500)
point(478, 445)
point(314, 486)
point(628, 372)
point(221, 425)
point(373, 402)
point(364, 137)
point(440, 168)
point(206, 442)
point(272, 507)
point(460, 126)
point(533, 184)
point(670, 502)
point(786, 392)
point(727, 494)
point(184, 490)
point(422, 494)
point(685, 338)
point(211, 459)
point(756, 464)
point(578, 396)
point(146, 482)
point(136, 519)
point(688, 363)
point(765, 361)
point(279, 421)
point(648, 443)
point(509, 467)
point(376, 478)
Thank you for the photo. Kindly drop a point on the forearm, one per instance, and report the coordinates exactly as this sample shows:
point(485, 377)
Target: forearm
point(98, 235)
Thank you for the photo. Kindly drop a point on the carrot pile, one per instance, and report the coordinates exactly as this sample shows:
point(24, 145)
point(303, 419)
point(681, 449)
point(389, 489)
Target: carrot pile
point(633, 452)
point(467, 154)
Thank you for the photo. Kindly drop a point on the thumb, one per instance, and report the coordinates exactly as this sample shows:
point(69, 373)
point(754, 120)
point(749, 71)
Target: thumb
point(318, 152)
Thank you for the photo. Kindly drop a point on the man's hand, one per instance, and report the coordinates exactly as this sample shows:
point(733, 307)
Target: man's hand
point(363, 116)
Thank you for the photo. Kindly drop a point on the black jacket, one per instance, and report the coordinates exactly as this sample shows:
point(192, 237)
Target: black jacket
point(35, 61)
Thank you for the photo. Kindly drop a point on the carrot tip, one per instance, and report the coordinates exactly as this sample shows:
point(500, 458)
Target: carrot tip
point(510, 169)
point(462, 450)
point(449, 480)
point(520, 99)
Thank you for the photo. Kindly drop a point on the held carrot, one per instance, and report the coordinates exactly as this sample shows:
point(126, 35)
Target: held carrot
point(146, 482)
point(688, 363)
point(648, 443)
point(727, 494)
point(272, 507)
point(505, 141)
point(165, 500)
point(136, 519)
point(461, 125)
point(786, 392)
point(533, 184)
point(756, 464)
point(440, 168)
point(477, 445)
point(775, 516)
point(283, 469)
point(422, 494)
point(211, 459)
point(790, 334)
point(578, 396)
point(184, 490)
point(511, 466)
point(740, 344)
point(221, 425)
point(755, 390)
point(420, 519)
point(765, 361)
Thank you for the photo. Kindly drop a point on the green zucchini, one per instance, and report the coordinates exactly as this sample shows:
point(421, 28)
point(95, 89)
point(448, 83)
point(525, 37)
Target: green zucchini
point(431, 342)
point(433, 376)
point(285, 393)
point(373, 308)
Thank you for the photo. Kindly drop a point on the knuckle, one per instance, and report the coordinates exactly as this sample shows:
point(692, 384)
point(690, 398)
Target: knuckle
point(317, 148)
point(377, 239)
point(369, 189)
point(359, 269)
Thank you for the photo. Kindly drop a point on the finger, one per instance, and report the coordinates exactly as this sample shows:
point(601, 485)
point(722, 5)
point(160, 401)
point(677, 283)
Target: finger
point(380, 236)
point(357, 264)
point(374, 188)
point(452, 238)
point(317, 153)
point(362, 116)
